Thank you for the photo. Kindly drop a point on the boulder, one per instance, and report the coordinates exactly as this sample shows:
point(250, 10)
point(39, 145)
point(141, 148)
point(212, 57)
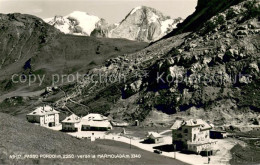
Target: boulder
point(242, 33)
point(207, 60)
point(131, 89)
point(232, 53)
point(244, 80)
point(254, 67)
point(176, 71)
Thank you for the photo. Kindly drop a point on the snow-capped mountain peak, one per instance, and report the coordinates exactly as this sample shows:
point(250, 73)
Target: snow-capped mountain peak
point(142, 23)
point(135, 9)
point(85, 21)
point(77, 22)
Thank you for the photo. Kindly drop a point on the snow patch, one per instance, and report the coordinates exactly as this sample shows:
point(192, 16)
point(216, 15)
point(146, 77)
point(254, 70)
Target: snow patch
point(154, 18)
point(86, 22)
point(47, 20)
point(135, 9)
point(60, 23)
point(166, 25)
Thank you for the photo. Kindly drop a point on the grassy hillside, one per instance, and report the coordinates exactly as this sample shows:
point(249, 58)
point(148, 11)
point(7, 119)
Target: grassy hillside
point(20, 137)
point(30, 46)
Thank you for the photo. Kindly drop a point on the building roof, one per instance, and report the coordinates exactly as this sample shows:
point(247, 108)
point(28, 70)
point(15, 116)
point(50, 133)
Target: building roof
point(94, 117)
point(191, 123)
point(72, 119)
point(102, 124)
point(177, 124)
point(154, 135)
point(220, 131)
point(204, 125)
point(44, 110)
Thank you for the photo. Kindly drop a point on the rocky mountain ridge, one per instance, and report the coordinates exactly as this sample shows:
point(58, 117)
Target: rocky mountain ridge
point(204, 11)
point(141, 24)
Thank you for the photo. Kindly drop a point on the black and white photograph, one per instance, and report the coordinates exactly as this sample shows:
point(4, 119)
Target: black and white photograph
point(129, 82)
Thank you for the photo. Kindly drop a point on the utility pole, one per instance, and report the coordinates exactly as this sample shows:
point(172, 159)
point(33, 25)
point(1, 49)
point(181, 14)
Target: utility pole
point(174, 151)
point(130, 143)
point(208, 156)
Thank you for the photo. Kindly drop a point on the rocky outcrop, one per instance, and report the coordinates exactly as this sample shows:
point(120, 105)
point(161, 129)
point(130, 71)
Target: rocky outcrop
point(103, 29)
point(131, 89)
point(204, 11)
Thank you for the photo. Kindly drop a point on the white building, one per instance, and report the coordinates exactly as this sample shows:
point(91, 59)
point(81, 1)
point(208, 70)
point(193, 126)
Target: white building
point(45, 116)
point(192, 135)
point(154, 137)
point(94, 117)
point(95, 122)
point(71, 123)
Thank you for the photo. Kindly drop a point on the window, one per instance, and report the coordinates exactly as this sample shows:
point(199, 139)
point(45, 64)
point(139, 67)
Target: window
point(194, 137)
point(186, 131)
point(179, 136)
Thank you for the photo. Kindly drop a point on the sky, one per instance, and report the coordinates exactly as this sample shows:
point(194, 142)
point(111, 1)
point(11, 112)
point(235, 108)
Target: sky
point(111, 10)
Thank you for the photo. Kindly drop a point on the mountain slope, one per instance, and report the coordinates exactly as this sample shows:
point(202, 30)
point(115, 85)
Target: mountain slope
point(31, 46)
point(226, 47)
point(21, 36)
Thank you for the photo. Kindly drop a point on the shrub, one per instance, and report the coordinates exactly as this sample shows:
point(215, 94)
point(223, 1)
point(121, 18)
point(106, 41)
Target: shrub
point(39, 72)
point(220, 20)
point(92, 63)
point(230, 14)
point(209, 26)
point(9, 85)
